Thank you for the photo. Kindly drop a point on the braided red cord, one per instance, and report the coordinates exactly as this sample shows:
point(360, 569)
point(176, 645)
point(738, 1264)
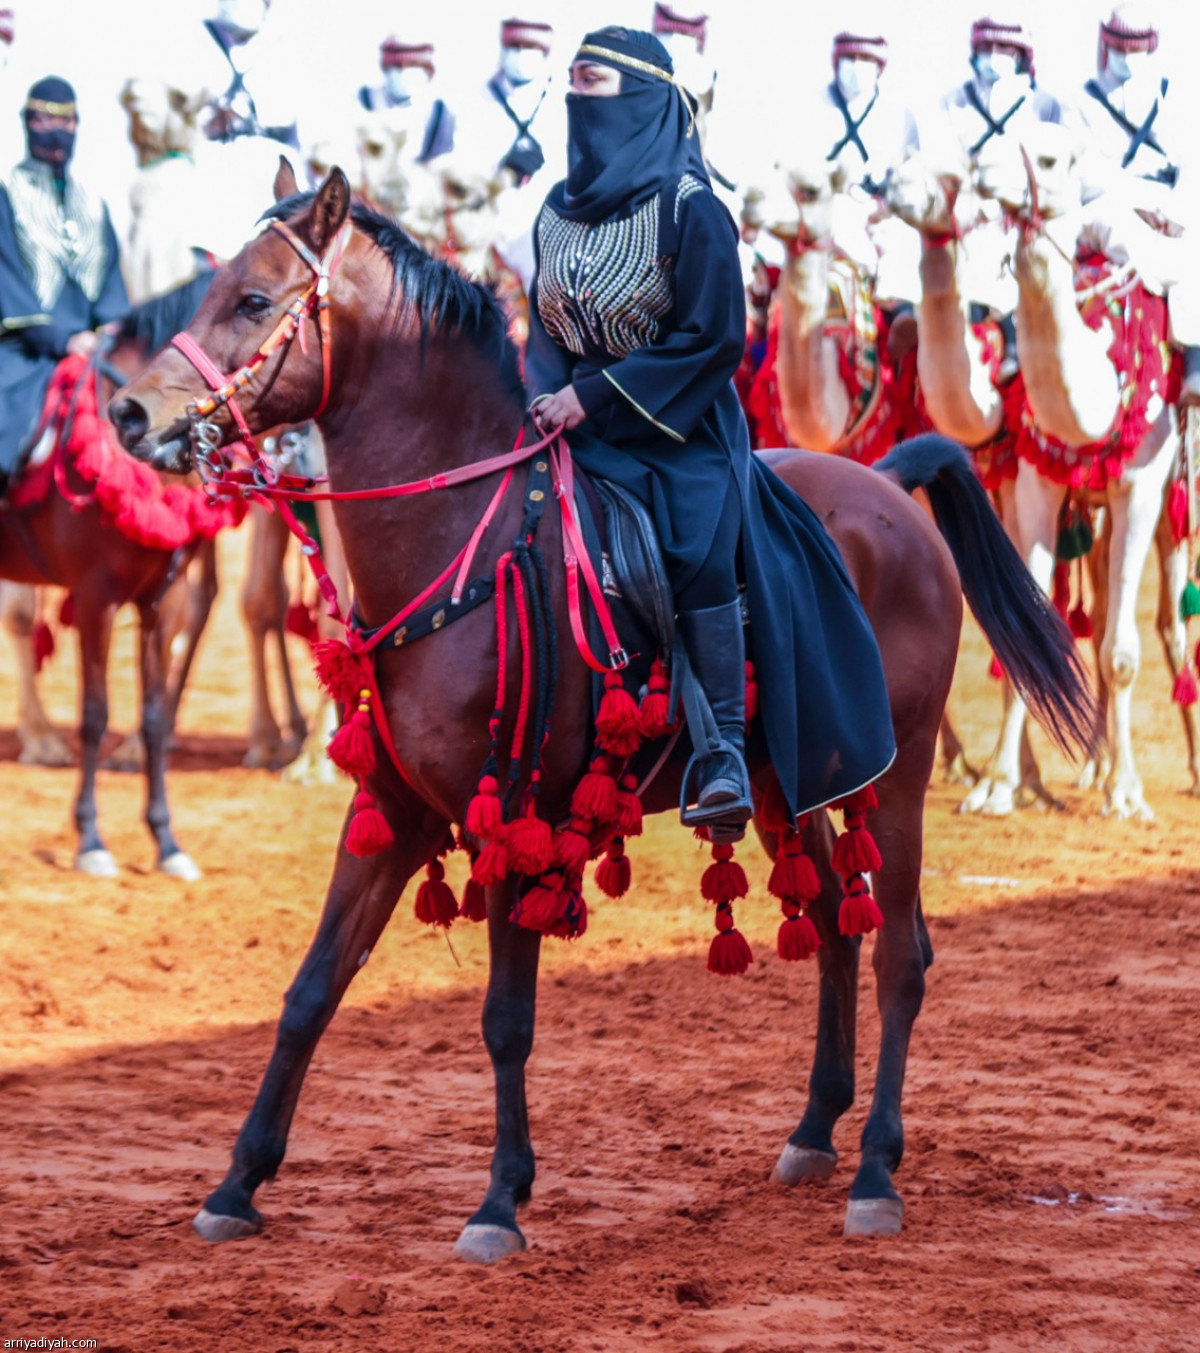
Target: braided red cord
point(522, 609)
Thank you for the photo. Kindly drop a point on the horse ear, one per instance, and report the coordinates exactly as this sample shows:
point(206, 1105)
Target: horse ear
point(285, 180)
point(329, 209)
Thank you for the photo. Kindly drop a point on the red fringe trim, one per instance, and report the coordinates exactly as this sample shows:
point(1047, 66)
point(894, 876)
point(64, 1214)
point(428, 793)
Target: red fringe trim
point(491, 865)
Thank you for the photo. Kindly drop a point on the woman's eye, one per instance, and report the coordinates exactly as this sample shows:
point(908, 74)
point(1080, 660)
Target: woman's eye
point(253, 305)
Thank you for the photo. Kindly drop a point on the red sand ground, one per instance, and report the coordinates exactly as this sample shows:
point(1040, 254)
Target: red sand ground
point(1052, 1103)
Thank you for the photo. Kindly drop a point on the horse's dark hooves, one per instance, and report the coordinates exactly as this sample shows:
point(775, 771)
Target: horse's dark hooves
point(798, 1163)
point(874, 1217)
point(487, 1244)
point(213, 1227)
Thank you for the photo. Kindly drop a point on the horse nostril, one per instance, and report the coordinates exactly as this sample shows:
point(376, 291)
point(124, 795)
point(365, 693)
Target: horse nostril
point(131, 421)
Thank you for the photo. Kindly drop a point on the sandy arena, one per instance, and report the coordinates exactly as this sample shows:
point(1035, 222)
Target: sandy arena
point(1052, 1100)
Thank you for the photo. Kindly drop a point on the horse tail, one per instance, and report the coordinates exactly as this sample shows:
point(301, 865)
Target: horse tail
point(1027, 635)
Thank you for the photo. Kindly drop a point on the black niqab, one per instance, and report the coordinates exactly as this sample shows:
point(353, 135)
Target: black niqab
point(622, 149)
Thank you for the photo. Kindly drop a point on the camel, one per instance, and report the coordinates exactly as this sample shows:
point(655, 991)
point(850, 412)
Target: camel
point(1074, 397)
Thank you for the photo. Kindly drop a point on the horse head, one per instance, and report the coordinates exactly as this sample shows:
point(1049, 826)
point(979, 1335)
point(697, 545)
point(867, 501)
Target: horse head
point(259, 321)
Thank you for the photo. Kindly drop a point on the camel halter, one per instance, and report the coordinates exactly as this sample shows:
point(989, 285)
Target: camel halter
point(206, 435)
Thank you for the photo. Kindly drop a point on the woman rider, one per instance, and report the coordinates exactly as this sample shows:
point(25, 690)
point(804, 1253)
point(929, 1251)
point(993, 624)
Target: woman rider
point(637, 325)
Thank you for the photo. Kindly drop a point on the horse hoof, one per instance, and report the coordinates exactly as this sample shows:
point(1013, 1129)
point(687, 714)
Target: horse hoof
point(487, 1244)
point(180, 865)
point(99, 864)
point(213, 1227)
point(797, 1163)
point(873, 1217)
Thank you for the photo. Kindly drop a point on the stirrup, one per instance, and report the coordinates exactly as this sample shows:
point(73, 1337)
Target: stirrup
point(730, 816)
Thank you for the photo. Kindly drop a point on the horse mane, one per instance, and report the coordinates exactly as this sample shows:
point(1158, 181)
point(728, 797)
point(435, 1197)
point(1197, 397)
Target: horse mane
point(441, 297)
point(155, 322)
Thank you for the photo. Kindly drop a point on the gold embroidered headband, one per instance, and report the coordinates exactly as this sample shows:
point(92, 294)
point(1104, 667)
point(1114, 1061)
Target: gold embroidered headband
point(50, 109)
point(643, 68)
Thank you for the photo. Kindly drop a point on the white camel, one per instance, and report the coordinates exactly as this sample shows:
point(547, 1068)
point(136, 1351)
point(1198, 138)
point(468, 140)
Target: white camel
point(1074, 396)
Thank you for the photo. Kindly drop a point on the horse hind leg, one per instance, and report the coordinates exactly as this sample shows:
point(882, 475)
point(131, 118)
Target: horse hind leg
point(41, 744)
point(94, 621)
point(1174, 567)
point(264, 606)
point(809, 1152)
point(361, 898)
point(902, 954)
point(492, 1232)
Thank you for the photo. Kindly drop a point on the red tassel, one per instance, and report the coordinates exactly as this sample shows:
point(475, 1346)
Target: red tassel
point(798, 938)
point(339, 672)
point(435, 902)
point(618, 723)
point(1080, 623)
point(1060, 593)
point(773, 811)
point(724, 879)
point(352, 747)
point(729, 954)
point(656, 703)
point(490, 865)
point(368, 832)
point(474, 902)
point(301, 620)
point(573, 921)
point(572, 849)
point(794, 877)
point(863, 800)
point(613, 873)
point(1184, 692)
point(751, 694)
point(996, 669)
point(530, 846)
point(66, 612)
point(595, 795)
point(485, 813)
point(629, 808)
point(43, 645)
point(1177, 510)
point(544, 904)
point(859, 914)
point(855, 851)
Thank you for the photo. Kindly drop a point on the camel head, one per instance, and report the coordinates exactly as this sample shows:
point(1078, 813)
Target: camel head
point(794, 201)
point(385, 176)
point(924, 193)
point(1043, 164)
point(162, 119)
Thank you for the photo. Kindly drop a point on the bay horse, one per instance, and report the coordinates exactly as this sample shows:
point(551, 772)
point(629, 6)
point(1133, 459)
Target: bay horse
point(67, 540)
point(416, 376)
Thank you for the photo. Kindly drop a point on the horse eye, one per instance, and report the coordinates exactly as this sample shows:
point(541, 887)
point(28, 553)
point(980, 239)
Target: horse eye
point(253, 305)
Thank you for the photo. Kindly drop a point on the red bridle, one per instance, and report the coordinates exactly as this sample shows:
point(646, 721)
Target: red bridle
point(316, 296)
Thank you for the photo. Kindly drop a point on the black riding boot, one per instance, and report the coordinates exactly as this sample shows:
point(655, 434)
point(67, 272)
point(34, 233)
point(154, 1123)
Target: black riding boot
point(717, 786)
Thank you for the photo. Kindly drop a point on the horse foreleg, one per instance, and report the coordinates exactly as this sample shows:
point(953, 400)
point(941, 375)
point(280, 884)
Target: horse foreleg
point(1135, 501)
point(94, 622)
point(810, 1153)
point(1174, 567)
point(902, 953)
point(264, 607)
point(508, 1016)
point(1097, 768)
point(41, 744)
point(155, 642)
point(361, 898)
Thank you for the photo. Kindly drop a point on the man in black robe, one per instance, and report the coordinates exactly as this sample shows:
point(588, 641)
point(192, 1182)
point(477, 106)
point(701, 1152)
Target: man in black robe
point(59, 271)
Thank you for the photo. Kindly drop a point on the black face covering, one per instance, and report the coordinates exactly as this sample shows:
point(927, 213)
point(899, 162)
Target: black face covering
point(622, 149)
point(51, 147)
